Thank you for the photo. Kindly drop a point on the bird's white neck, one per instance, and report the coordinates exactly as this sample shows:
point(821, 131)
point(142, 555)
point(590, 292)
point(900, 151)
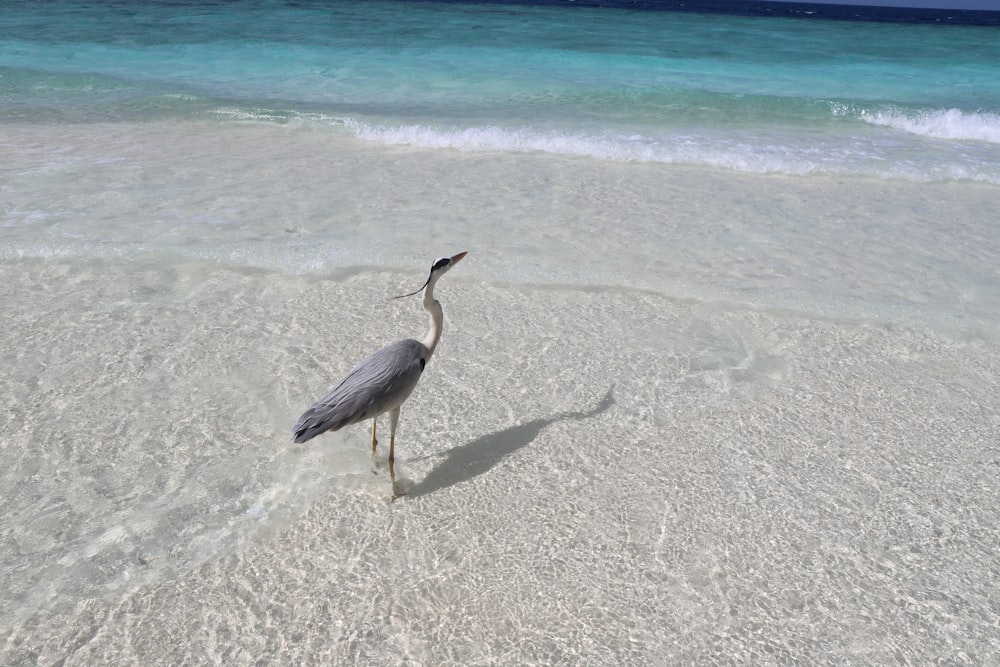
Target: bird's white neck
point(437, 320)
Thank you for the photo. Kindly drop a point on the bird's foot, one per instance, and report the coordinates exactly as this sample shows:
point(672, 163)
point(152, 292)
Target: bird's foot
point(395, 492)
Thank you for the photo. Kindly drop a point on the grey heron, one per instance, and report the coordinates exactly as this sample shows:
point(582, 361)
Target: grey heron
point(383, 381)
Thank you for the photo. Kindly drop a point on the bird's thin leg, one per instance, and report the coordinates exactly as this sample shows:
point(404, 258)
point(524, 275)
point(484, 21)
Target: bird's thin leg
point(374, 441)
point(393, 418)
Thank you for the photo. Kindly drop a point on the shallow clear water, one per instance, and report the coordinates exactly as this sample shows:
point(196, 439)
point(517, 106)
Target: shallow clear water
point(718, 377)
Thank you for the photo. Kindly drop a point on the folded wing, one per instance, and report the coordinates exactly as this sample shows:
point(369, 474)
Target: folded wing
point(376, 385)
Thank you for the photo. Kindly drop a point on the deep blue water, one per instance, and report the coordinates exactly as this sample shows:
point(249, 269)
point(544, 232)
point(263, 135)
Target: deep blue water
point(808, 10)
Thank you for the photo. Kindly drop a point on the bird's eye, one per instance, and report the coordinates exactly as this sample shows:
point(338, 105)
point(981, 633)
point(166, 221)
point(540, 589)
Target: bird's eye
point(441, 263)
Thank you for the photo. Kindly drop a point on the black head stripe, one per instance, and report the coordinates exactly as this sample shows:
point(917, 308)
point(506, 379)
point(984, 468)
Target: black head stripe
point(403, 296)
point(440, 264)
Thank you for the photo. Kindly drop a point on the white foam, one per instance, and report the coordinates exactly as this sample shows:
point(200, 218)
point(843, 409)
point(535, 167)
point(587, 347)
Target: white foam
point(761, 153)
point(675, 149)
point(940, 123)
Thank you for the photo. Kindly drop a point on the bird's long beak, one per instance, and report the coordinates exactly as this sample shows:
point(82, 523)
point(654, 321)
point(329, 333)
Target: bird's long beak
point(457, 258)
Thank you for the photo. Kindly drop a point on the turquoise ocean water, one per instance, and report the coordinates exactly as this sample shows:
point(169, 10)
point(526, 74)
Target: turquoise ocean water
point(917, 102)
point(719, 374)
point(880, 103)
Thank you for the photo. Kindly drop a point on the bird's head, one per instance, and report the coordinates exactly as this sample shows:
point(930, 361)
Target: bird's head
point(438, 269)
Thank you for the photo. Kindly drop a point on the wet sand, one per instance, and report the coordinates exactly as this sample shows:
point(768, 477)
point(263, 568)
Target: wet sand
point(593, 476)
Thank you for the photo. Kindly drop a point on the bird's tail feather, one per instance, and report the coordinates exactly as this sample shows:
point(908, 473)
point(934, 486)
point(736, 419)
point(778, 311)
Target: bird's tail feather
point(307, 434)
point(310, 425)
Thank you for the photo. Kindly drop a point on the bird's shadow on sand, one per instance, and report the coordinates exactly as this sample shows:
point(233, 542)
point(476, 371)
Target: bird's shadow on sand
point(464, 462)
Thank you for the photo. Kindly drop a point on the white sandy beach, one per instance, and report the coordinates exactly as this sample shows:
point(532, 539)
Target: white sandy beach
point(719, 381)
point(593, 476)
point(695, 417)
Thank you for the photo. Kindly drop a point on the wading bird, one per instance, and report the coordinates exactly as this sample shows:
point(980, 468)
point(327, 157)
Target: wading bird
point(380, 383)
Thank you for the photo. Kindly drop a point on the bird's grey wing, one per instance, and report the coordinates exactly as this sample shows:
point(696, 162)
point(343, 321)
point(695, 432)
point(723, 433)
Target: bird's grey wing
point(379, 383)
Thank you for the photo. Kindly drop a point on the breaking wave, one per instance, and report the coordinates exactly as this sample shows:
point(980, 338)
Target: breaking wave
point(754, 152)
point(953, 124)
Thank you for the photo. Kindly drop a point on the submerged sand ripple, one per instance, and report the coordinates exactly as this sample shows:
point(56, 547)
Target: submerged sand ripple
point(594, 477)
